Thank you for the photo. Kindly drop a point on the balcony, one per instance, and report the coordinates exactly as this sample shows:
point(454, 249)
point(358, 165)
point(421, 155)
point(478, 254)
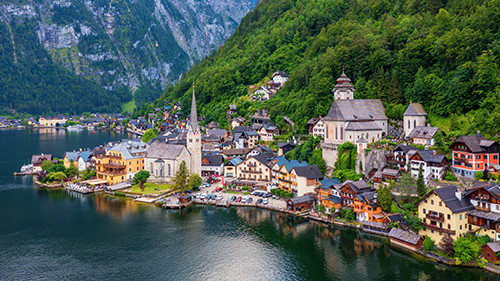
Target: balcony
point(435, 217)
point(287, 181)
point(250, 172)
point(437, 228)
point(114, 166)
point(112, 173)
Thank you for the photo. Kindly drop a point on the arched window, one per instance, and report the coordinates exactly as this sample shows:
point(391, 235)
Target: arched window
point(341, 133)
point(414, 123)
point(408, 124)
point(336, 133)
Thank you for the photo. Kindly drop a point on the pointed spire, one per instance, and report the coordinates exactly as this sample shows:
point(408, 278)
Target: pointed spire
point(194, 114)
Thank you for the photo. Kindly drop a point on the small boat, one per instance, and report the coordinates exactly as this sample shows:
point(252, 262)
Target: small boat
point(76, 128)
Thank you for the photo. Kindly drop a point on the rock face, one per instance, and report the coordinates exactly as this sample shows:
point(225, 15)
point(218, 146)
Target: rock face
point(133, 43)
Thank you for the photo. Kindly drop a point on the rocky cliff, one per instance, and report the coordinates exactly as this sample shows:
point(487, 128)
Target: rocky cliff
point(134, 43)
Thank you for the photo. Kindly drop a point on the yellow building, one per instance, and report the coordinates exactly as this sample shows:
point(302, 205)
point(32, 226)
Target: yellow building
point(70, 158)
point(55, 121)
point(122, 161)
point(443, 211)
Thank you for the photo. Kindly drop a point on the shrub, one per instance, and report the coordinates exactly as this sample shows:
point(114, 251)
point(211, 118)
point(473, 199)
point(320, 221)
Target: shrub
point(118, 193)
point(245, 188)
point(429, 244)
point(288, 194)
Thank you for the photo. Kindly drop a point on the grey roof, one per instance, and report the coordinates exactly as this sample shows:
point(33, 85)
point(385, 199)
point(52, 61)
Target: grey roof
point(395, 217)
point(428, 156)
point(280, 73)
point(130, 147)
point(415, 109)
point(355, 110)
point(387, 172)
point(404, 148)
point(214, 160)
point(492, 216)
point(220, 133)
point(476, 143)
point(241, 129)
point(358, 185)
point(39, 158)
point(301, 199)
point(423, 132)
point(333, 198)
point(447, 194)
point(72, 155)
point(362, 126)
point(494, 246)
point(163, 150)
point(194, 114)
point(309, 172)
point(285, 144)
point(265, 158)
point(406, 236)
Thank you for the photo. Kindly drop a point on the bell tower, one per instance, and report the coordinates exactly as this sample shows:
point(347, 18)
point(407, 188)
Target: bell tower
point(343, 90)
point(193, 141)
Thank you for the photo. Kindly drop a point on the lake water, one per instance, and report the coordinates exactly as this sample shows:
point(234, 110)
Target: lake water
point(56, 235)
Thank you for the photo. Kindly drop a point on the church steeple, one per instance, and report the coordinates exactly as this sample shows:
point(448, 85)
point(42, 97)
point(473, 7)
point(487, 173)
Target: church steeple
point(194, 114)
point(343, 89)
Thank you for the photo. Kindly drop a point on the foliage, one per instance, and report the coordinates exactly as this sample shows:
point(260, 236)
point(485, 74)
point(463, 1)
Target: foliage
point(56, 168)
point(322, 208)
point(344, 175)
point(46, 165)
point(71, 171)
point(332, 210)
point(149, 134)
point(385, 198)
point(441, 53)
point(412, 220)
point(421, 188)
point(141, 177)
point(309, 151)
point(181, 177)
point(346, 159)
point(348, 214)
point(194, 181)
point(56, 176)
point(395, 208)
point(446, 245)
point(478, 175)
point(429, 244)
point(245, 187)
point(87, 174)
point(466, 249)
point(449, 176)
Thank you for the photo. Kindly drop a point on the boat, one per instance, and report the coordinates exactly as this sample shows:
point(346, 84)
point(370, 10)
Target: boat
point(76, 128)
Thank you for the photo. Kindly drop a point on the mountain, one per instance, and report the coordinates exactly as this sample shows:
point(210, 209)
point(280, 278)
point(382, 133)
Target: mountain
point(121, 46)
point(442, 53)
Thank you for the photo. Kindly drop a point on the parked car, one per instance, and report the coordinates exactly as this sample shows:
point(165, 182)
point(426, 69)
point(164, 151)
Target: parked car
point(244, 199)
point(267, 195)
point(275, 197)
point(259, 201)
point(238, 199)
point(249, 200)
point(233, 198)
point(265, 201)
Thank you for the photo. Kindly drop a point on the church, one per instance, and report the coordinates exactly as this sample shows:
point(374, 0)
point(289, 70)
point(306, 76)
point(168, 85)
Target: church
point(359, 121)
point(163, 159)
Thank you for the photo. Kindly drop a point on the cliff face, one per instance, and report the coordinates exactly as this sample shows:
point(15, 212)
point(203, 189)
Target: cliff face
point(133, 43)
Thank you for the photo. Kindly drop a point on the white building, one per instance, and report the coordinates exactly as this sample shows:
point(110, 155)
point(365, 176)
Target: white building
point(280, 77)
point(162, 160)
point(413, 117)
point(319, 129)
point(433, 165)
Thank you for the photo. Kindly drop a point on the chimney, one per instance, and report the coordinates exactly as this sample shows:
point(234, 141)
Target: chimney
point(458, 193)
point(434, 152)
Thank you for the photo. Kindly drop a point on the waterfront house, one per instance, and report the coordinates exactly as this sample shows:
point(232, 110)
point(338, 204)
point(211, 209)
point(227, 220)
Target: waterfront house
point(256, 168)
point(406, 239)
point(443, 211)
point(52, 121)
point(363, 199)
point(37, 160)
point(304, 179)
point(327, 194)
point(485, 219)
point(70, 159)
point(491, 251)
point(301, 203)
point(122, 161)
point(433, 165)
point(84, 160)
point(471, 154)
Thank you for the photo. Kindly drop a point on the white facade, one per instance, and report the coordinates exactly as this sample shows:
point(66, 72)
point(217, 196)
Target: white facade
point(411, 122)
point(428, 172)
point(278, 79)
point(319, 129)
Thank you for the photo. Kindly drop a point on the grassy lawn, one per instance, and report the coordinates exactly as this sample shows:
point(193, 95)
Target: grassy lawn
point(149, 188)
point(129, 106)
point(231, 192)
point(444, 122)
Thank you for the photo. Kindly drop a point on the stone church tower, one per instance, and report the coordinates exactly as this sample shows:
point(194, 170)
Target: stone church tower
point(413, 117)
point(343, 90)
point(193, 141)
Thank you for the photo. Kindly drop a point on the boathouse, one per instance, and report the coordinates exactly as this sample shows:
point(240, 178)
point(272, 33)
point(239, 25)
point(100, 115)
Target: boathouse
point(406, 239)
point(491, 251)
point(301, 203)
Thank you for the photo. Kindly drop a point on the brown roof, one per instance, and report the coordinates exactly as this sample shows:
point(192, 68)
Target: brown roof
point(476, 143)
point(406, 236)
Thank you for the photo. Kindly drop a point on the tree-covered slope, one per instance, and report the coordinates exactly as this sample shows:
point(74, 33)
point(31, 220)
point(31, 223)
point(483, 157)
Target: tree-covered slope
point(443, 54)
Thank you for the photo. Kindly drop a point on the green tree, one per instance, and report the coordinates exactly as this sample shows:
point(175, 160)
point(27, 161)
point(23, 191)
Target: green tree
point(429, 244)
point(56, 168)
point(149, 134)
point(194, 181)
point(465, 249)
point(385, 198)
point(446, 245)
point(141, 177)
point(412, 220)
point(421, 188)
point(71, 171)
point(56, 176)
point(181, 177)
point(46, 165)
point(322, 208)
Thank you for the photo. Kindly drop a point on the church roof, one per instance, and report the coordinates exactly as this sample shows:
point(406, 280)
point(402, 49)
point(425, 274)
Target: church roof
point(194, 114)
point(163, 150)
point(356, 110)
point(362, 126)
point(415, 109)
point(343, 84)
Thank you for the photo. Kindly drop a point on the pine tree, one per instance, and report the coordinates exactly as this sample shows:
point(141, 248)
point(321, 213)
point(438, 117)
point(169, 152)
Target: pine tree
point(181, 177)
point(421, 188)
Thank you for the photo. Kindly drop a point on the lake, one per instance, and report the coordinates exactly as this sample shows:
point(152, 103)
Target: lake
point(58, 235)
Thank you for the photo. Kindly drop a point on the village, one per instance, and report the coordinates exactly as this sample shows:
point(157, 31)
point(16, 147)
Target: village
point(400, 181)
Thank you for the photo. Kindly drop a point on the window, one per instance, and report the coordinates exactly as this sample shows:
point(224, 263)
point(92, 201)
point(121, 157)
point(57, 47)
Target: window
point(408, 124)
point(479, 166)
point(341, 133)
point(460, 227)
point(478, 157)
point(426, 201)
point(449, 217)
point(485, 157)
point(495, 157)
point(449, 226)
point(424, 211)
point(440, 204)
point(432, 202)
point(460, 218)
point(414, 123)
point(456, 154)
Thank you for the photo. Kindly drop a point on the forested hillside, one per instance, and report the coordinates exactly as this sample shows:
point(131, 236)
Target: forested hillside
point(443, 54)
